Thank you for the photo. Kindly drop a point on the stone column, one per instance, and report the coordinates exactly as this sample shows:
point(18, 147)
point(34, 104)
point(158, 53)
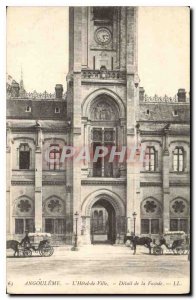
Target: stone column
point(86, 228)
point(132, 110)
point(38, 180)
point(84, 37)
point(166, 191)
point(9, 203)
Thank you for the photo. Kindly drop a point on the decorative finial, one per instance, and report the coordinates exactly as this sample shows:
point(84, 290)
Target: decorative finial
point(21, 73)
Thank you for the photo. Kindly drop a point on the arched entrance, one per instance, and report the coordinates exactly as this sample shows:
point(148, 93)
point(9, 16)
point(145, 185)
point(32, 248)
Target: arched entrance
point(103, 215)
point(103, 222)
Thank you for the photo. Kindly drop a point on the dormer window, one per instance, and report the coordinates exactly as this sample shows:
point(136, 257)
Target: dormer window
point(57, 110)
point(175, 113)
point(28, 109)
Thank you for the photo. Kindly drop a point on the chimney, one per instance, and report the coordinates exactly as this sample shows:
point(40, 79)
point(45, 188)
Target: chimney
point(181, 95)
point(141, 94)
point(15, 89)
point(59, 91)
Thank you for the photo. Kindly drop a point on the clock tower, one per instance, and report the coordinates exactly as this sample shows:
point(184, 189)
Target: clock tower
point(102, 109)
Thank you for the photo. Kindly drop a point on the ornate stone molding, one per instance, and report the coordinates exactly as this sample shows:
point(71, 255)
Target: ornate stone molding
point(52, 182)
point(24, 138)
point(77, 130)
point(130, 131)
point(146, 184)
point(151, 141)
point(103, 182)
point(22, 182)
point(178, 183)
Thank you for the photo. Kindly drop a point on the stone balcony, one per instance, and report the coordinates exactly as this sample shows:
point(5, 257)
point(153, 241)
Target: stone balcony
point(107, 76)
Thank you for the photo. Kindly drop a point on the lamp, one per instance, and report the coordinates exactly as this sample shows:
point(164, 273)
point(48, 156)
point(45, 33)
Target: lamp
point(134, 218)
point(75, 247)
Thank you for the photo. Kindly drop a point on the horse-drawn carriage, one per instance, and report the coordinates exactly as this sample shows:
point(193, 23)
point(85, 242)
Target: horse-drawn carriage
point(174, 242)
point(38, 243)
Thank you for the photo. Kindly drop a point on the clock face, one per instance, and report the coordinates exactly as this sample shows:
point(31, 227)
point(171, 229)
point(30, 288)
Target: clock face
point(103, 36)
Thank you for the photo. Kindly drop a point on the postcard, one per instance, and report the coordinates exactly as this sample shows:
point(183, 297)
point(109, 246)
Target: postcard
point(98, 150)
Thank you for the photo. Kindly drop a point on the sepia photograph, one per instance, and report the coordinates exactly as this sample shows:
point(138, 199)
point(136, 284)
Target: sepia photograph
point(98, 150)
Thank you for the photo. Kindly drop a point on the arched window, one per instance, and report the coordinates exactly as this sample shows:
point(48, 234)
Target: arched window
point(24, 215)
point(151, 216)
point(178, 159)
point(54, 212)
point(179, 215)
point(105, 131)
point(24, 157)
point(103, 137)
point(54, 156)
point(150, 159)
point(98, 221)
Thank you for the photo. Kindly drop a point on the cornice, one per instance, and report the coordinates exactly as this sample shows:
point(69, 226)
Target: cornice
point(102, 182)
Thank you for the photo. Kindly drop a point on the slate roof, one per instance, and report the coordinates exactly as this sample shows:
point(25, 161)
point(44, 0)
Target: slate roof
point(164, 112)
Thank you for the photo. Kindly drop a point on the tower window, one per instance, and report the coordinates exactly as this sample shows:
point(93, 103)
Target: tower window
point(28, 109)
point(178, 159)
point(103, 13)
point(57, 110)
point(24, 157)
point(103, 137)
point(147, 112)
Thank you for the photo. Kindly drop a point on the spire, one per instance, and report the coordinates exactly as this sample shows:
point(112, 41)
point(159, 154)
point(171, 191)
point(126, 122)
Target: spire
point(21, 79)
point(22, 89)
point(21, 73)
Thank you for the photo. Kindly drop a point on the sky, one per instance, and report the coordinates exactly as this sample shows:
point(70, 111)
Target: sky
point(37, 42)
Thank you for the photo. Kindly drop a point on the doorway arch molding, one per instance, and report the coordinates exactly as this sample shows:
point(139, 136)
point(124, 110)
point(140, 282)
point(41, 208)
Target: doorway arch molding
point(103, 194)
point(91, 97)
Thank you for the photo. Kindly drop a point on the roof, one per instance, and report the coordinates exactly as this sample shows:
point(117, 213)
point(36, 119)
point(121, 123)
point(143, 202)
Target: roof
point(40, 109)
point(165, 112)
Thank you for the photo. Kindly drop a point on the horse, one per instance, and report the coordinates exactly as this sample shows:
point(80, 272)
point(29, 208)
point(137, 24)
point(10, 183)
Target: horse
point(13, 244)
point(142, 241)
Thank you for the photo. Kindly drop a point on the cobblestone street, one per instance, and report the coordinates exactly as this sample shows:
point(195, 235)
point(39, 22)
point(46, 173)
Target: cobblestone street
point(113, 264)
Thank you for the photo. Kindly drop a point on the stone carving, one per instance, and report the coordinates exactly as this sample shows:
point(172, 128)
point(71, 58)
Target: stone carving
point(97, 135)
point(108, 135)
point(161, 99)
point(103, 112)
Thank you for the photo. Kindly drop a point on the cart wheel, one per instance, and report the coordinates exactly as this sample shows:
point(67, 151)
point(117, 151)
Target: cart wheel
point(46, 251)
point(27, 252)
point(157, 251)
point(180, 251)
point(175, 251)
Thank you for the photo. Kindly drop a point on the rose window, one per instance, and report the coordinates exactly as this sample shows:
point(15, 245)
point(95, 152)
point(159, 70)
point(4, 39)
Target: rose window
point(24, 206)
point(150, 206)
point(178, 206)
point(54, 205)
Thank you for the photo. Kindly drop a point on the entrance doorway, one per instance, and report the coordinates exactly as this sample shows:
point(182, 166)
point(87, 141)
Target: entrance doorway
point(103, 223)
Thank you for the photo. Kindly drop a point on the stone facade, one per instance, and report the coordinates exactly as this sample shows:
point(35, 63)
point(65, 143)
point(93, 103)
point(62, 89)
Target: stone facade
point(104, 105)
